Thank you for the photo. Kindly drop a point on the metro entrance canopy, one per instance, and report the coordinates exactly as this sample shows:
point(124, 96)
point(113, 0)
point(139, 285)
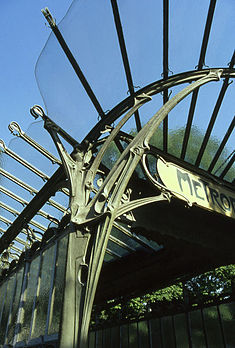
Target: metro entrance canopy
point(124, 204)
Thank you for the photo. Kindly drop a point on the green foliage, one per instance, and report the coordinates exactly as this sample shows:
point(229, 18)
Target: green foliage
point(175, 139)
point(212, 283)
point(204, 288)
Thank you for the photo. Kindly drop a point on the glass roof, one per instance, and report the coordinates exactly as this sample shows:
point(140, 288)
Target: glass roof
point(120, 48)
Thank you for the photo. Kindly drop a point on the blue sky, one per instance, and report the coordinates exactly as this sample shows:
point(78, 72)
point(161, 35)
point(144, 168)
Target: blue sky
point(22, 37)
point(23, 34)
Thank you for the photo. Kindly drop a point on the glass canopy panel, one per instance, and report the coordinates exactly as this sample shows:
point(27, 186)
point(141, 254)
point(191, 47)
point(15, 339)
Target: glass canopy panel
point(167, 332)
point(187, 23)
point(197, 333)
point(7, 308)
point(227, 313)
point(96, 49)
point(213, 327)
point(143, 334)
point(58, 287)
point(95, 46)
point(3, 289)
point(41, 307)
point(143, 35)
point(133, 335)
point(15, 306)
point(219, 54)
point(181, 335)
point(29, 298)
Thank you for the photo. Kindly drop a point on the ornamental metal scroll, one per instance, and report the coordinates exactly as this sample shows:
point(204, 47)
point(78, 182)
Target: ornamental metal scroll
point(93, 217)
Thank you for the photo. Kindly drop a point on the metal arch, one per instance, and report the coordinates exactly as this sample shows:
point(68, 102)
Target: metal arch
point(44, 194)
point(93, 219)
point(150, 90)
point(91, 232)
point(114, 187)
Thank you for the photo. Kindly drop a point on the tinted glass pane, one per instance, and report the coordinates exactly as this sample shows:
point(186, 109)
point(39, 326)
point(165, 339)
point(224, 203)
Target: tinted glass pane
point(107, 337)
point(92, 339)
point(99, 339)
point(155, 332)
point(198, 338)
point(115, 337)
point(2, 297)
point(57, 296)
point(181, 331)
point(117, 249)
point(6, 308)
point(41, 308)
point(15, 306)
point(124, 335)
point(213, 328)
point(227, 312)
point(29, 299)
point(133, 335)
point(143, 334)
point(167, 332)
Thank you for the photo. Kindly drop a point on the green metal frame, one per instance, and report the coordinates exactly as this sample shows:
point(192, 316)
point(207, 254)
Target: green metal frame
point(92, 218)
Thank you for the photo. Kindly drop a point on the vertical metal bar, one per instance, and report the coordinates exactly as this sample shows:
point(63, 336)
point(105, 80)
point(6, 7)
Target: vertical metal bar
point(165, 67)
point(21, 304)
point(10, 309)
point(49, 312)
point(206, 34)
point(214, 114)
point(222, 145)
point(199, 67)
point(124, 56)
point(73, 62)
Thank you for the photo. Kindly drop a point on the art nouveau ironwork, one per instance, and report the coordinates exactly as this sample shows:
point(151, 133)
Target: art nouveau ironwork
point(61, 264)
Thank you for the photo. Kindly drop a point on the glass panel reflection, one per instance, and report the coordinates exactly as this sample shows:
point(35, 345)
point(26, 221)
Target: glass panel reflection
point(227, 312)
point(198, 338)
point(213, 329)
point(143, 334)
point(155, 330)
point(15, 306)
point(107, 337)
point(57, 295)
point(133, 335)
point(167, 332)
point(29, 299)
point(99, 339)
point(41, 308)
point(124, 335)
point(6, 308)
point(115, 337)
point(181, 331)
point(2, 297)
point(92, 339)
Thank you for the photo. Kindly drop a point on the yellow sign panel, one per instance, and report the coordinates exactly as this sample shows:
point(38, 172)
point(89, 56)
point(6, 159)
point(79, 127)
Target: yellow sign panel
point(196, 189)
